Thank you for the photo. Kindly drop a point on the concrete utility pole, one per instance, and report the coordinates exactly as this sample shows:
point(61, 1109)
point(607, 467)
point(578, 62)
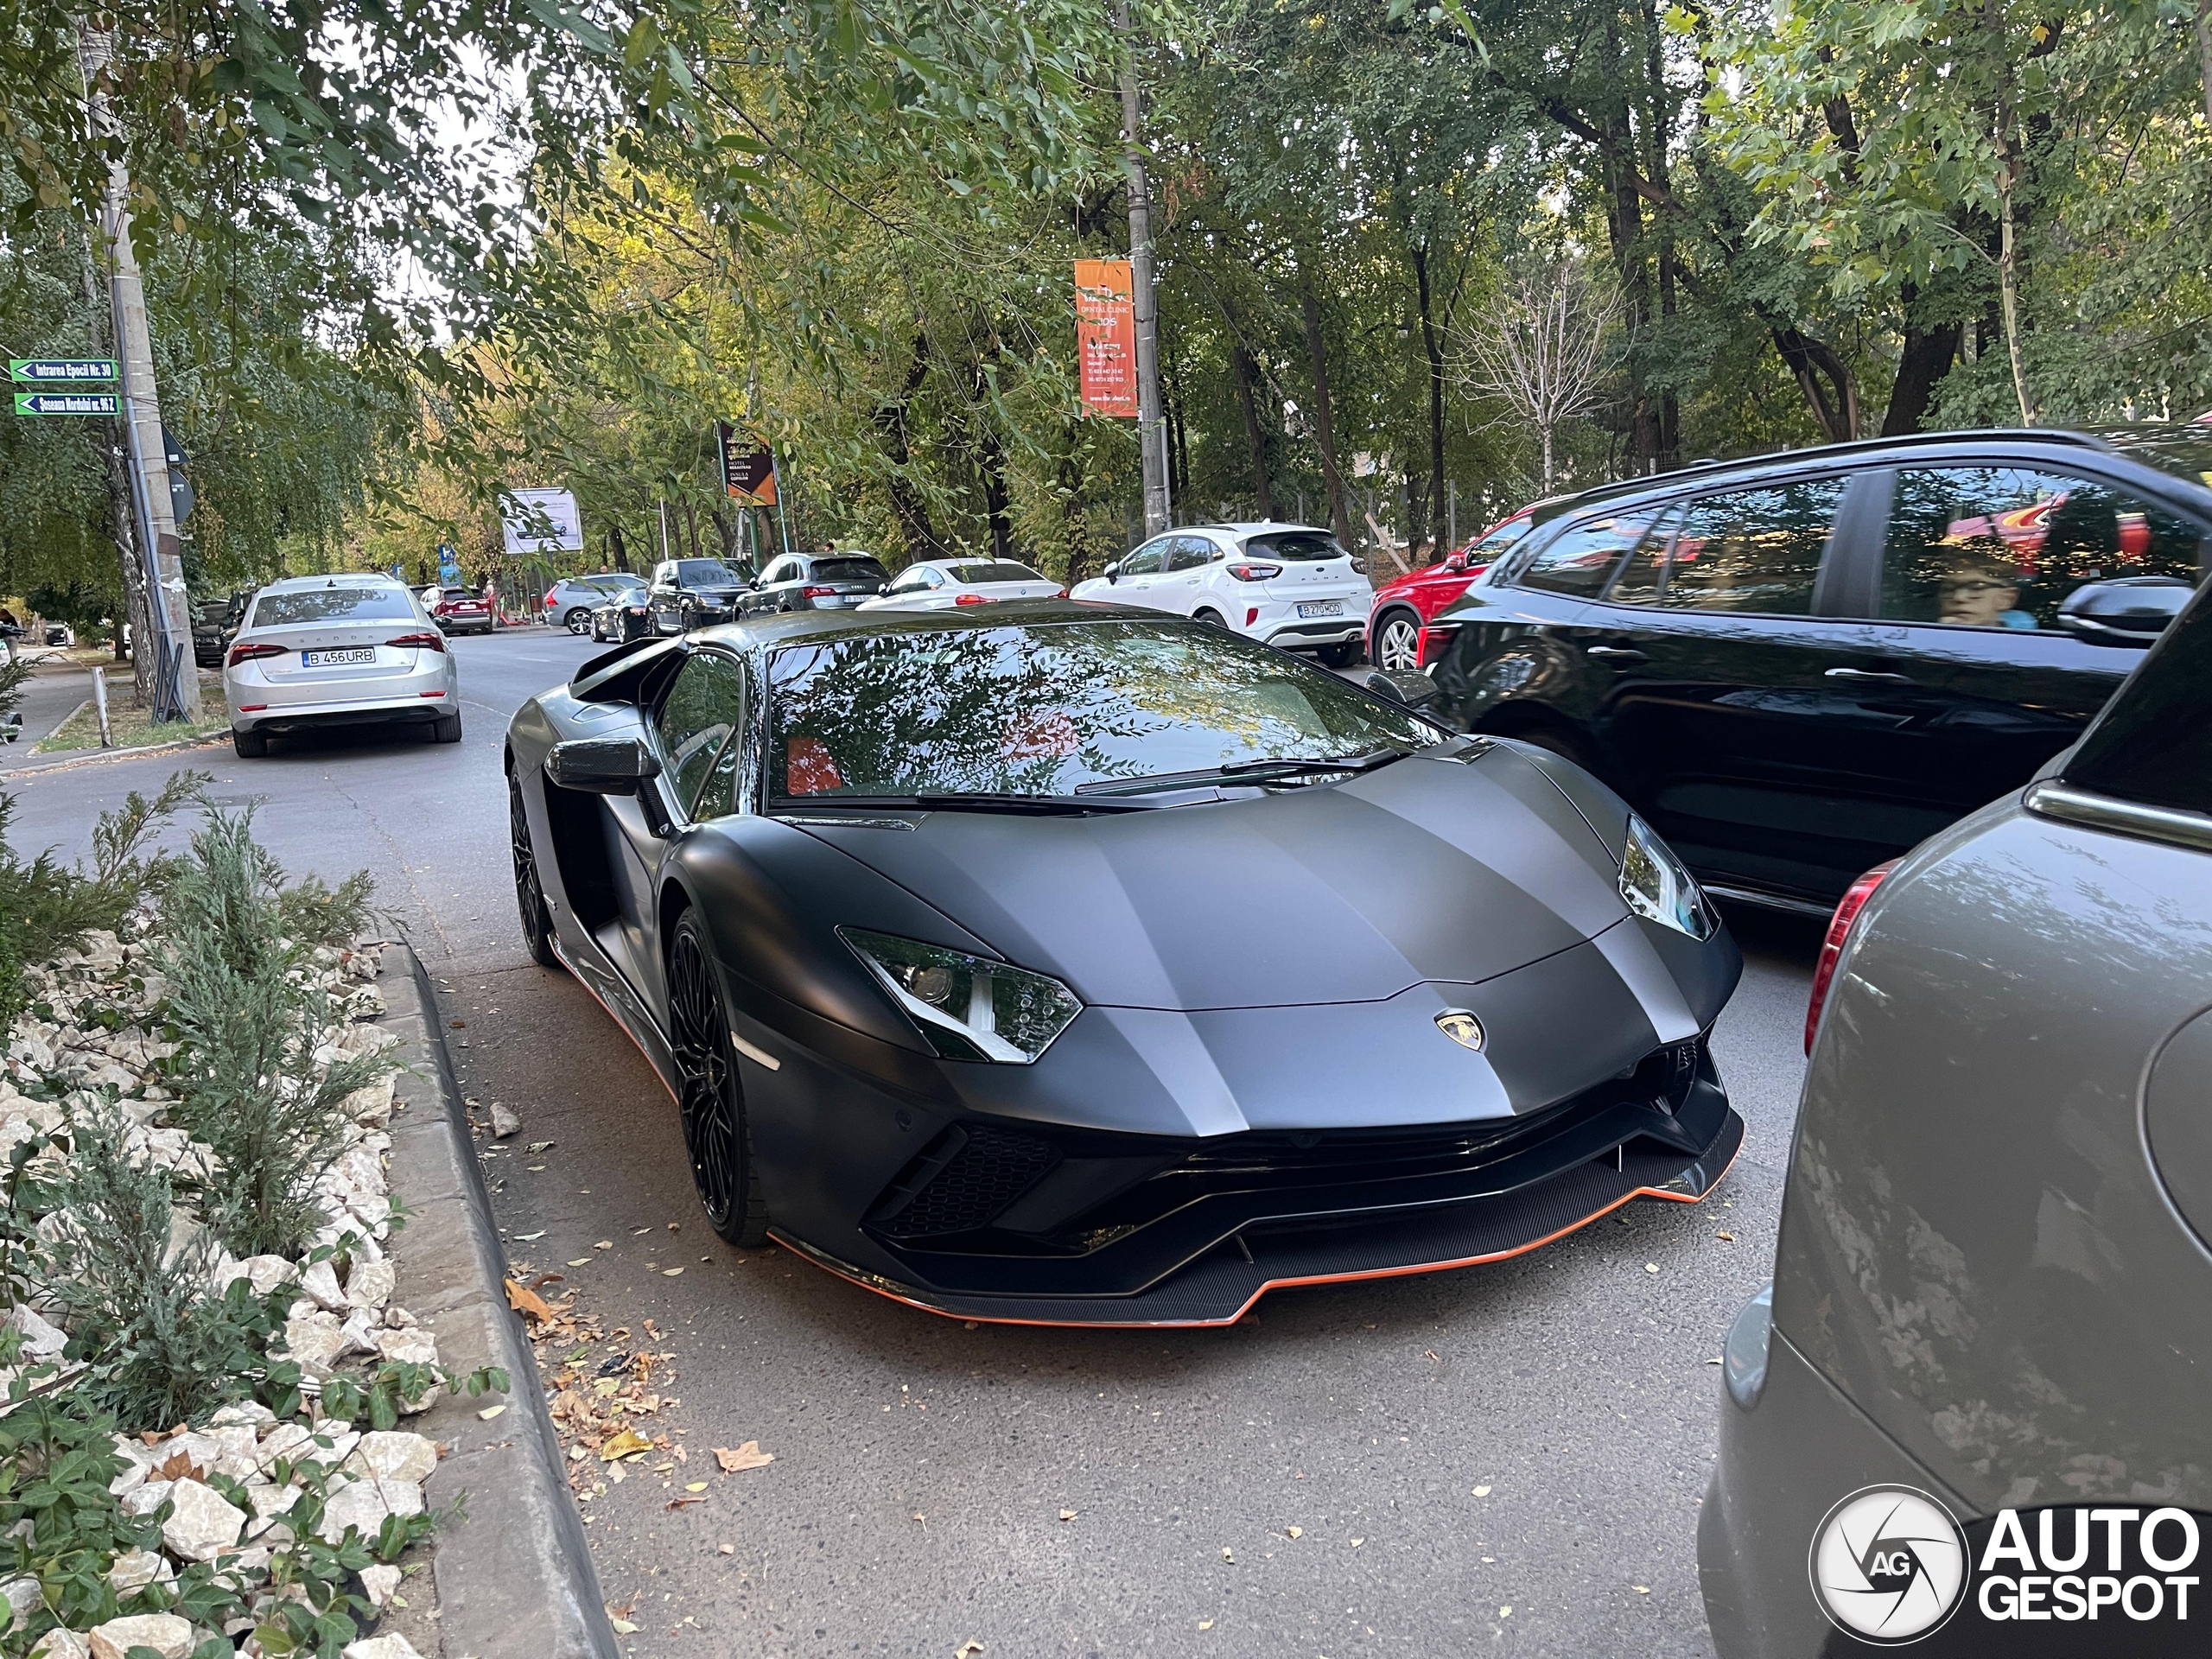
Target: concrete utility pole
point(174, 685)
point(1151, 429)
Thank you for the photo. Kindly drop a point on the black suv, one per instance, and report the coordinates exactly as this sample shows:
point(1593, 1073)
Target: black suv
point(1798, 666)
point(689, 593)
point(817, 581)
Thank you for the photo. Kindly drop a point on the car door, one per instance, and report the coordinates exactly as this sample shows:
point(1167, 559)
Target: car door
point(775, 584)
point(1730, 727)
point(1141, 573)
point(666, 598)
point(1982, 663)
point(703, 707)
point(1181, 585)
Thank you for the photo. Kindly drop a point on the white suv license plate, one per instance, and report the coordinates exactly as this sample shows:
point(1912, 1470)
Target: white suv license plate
point(333, 658)
point(1322, 607)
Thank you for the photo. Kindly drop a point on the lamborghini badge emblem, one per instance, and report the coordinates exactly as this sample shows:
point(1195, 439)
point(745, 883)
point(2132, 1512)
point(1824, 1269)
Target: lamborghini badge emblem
point(1462, 1027)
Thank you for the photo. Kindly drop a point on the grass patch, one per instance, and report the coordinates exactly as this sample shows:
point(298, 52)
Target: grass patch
point(130, 725)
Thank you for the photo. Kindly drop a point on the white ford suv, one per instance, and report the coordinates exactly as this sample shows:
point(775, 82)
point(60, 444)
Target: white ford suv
point(1290, 585)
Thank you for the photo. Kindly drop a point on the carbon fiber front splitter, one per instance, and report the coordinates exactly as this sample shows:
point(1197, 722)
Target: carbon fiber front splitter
point(1220, 1287)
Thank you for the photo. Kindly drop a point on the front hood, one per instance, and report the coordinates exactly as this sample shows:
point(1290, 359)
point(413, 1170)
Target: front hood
point(1428, 869)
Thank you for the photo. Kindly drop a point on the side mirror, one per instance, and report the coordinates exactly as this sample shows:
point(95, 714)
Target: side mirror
point(2126, 611)
point(882, 586)
point(1113, 572)
point(603, 765)
point(1410, 687)
point(1455, 562)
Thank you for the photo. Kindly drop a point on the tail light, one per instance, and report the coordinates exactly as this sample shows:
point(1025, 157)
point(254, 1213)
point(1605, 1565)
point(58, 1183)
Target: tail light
point(548, 601)
point(1832, 947)
point(1063, 594)
point(1433, 644)
point(819, 593)
point(433, 641)
point(248, 653)
point(1256, 572)
point(969, 599)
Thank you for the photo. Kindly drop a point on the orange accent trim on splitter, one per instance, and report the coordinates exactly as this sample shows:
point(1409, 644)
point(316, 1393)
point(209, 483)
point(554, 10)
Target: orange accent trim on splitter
point(1274, 1284)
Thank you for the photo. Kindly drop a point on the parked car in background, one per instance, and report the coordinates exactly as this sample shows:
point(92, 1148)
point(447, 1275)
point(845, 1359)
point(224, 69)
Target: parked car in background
point(623, 613)
point(60, 633)
point(945, 584)
point(687, 593)
point(1994, 1281)
point(1800, 665)
point(1290, 585)
point(317, 651)
point(570, 601)
point(459, 610)
point(816, 581)
point(1397, 619)
point(214, 624)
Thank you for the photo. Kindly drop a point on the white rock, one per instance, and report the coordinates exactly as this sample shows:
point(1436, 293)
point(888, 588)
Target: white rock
point(415, 1346)
point(135, 1567)
point(389, 1455)
point(316, 1342)
point(271, 1503)
point(252, 1413)
point(370, 1284)
point(320, 1281)
point(360, 1329)
point(41, 1339)
point(372, 1104)
point(359, 1503)
point(381, 1647)
point(265, 1273)
point(165, 1633)
point(238, 1441)
point(202, 1524)
point(379, 1585)
point(60, 1644)
point(503, 1120)
point(23, 1597)
point(145, 1499)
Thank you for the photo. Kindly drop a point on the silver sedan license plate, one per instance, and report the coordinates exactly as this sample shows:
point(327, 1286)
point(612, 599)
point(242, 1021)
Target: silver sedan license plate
point(333, 658)
point(1322, 607)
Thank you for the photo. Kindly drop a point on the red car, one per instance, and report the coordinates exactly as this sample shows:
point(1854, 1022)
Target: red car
point(456, 610)
point(1398, 636)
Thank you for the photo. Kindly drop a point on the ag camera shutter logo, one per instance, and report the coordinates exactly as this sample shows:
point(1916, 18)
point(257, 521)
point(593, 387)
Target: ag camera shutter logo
point(1888, 1565)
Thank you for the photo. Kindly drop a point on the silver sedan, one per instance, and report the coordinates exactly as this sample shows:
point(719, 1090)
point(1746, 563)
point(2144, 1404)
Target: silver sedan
point(338, 650)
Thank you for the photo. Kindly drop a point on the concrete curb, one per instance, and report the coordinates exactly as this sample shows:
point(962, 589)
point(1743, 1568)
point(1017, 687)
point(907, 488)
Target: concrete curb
point(514, 1579)
point(63, 760)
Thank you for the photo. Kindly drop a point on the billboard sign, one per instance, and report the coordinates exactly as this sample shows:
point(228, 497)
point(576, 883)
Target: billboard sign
point(1106, 336)
point(542, 521)
point(748, 468)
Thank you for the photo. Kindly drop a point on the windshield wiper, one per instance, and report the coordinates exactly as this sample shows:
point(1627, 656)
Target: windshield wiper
point(946, 800)
point(1248, 772)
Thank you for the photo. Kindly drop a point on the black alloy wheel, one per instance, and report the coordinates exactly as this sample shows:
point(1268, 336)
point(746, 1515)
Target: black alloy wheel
point(1397, 643)
point(529, 895)
point(710, 1096)
point(578, 619)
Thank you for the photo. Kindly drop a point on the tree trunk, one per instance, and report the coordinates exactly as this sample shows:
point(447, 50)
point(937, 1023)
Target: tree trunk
point(2008, 275)
point(1926, 359)
point(907, 503)
point(2205, 53)
point(1433, 347)
point(1255, 437)
point(1324, 423)
point(1834, 403)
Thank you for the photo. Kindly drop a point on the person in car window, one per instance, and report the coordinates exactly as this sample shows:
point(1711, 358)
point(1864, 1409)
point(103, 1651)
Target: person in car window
point(1980, 590)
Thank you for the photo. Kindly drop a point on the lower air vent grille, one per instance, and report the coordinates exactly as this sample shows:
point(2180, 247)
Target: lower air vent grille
point(963, 1182)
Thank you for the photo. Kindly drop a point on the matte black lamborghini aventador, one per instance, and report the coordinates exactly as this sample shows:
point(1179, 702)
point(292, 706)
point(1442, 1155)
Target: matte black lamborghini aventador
point(1063, 962)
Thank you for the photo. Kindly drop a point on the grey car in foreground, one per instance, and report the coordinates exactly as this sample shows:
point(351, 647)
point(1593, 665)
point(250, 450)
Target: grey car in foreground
point(1974, 1409)
point(1052, 962)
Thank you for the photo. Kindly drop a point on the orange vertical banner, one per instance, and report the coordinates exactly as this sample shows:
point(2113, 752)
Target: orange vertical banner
point(1106, 336)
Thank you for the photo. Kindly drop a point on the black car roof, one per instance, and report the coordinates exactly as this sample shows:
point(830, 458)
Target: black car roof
point(2048, 443)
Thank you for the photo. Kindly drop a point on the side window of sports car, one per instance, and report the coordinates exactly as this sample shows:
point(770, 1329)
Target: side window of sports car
point(704, 709)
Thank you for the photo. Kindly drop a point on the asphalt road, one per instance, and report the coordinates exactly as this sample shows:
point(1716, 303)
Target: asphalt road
point(1533, 1436)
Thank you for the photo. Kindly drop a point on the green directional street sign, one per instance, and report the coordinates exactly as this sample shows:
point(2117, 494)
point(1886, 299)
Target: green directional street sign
point(60, 371)
point(65, 403)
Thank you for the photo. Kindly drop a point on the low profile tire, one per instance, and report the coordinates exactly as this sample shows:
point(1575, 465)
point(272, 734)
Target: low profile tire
point(530, 891)
point(250, 745)
point(1342, 656)
point(1211, 619)
point(715, 1136)
point(578, 619)
point(446, 728)
point(1397, 642)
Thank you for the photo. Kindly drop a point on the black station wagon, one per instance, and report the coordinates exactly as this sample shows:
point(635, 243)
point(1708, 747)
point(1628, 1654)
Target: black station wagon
point(1799, 666)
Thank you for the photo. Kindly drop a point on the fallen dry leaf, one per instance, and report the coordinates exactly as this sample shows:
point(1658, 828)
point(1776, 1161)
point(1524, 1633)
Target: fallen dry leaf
point(678, 1502)
point(1481, 1491)
point(1206, 1624)
point(748, 1455)
point(624, 1445)
point(180, 1466)
point(581, 1261)
point(967, 1647)
point(1294, 1532)
point(694, 1485)
point(1726, 1238)
point(527, 1302)
point(1357, 1542)
point(1067, 1515)
point(490, 1412)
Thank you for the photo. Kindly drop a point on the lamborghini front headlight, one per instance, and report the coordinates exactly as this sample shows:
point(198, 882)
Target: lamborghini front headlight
point(969, 1007)
point(1656, 886)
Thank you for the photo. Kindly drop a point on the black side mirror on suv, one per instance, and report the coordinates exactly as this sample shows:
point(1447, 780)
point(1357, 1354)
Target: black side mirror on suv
point(2126, 611)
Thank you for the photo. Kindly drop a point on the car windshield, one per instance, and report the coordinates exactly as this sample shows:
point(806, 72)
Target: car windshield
point(998, 571)
point(307, 605)
point(1045, 708)
point(849, 570)
point(1501, 538)
point(1294, 545)
point(691, 572)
